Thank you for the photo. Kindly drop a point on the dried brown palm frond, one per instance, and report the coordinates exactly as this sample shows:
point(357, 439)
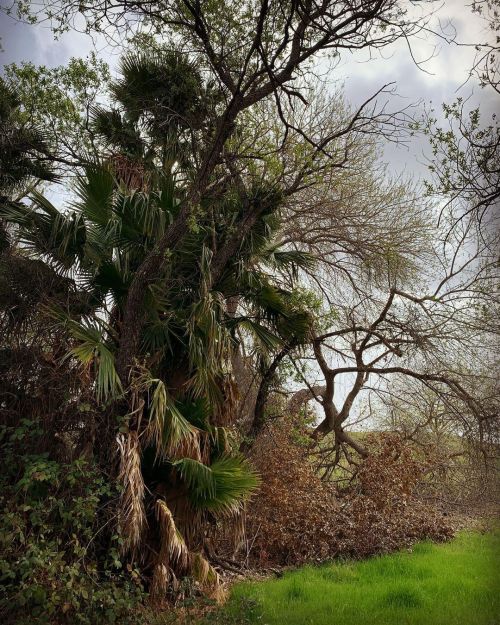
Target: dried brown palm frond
point(237, 529)
point(226, 412)
point(132, 515)
point(206, 442)
point(191, 446)
point(174, 555)
point(219, 594)
point(173, 550)
point(221, 438)
point(130, 173)
point(162, 581)
point(189, 521)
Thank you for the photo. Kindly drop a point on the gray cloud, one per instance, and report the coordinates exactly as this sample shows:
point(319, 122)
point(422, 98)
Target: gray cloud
point(36, 43)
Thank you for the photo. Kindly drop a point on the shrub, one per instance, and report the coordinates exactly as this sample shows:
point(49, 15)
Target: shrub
point(296, 517)
point(380, 508)
point(58, 562)
point(292, 518)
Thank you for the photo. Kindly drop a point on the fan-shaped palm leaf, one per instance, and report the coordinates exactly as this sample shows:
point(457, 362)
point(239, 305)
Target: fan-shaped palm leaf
point(95, 194)
point(221, 487)
point(119, 133)
point(46, 231)
point(266, 338)
point(168, 430)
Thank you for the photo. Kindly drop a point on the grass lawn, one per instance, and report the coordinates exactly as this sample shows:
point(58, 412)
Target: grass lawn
point(451, 584)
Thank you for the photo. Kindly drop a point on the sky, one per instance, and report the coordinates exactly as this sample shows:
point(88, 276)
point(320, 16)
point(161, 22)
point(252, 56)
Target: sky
point(441, 78)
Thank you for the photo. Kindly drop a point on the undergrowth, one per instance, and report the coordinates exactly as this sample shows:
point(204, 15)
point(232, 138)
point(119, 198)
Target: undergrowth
point(59, 561)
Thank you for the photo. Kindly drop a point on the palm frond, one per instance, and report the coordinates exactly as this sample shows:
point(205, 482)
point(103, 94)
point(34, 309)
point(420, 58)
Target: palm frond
point(208, 344)
point(221, 445)
point(235, 483)
point(173, 549)
point(132, 515)
point(109, 278)
point(291, 260)
point(221, 487)
point(202, 571)
point(44, 204)
point(46, 231)
point(168, 430)
point(296, 326)
point(198, 477)
point(25, 149)
point(95, 194)
point(165, 196)
point(266, 338)
point(197, 412)
point(159, 334)
point(92, 348)
point(163, 84)
point(118, 132)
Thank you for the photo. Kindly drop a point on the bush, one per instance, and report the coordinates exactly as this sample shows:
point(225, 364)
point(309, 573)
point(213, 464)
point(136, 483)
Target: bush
point(58, 562)
point(292, 518)
point(380, 508)
point(296, 517)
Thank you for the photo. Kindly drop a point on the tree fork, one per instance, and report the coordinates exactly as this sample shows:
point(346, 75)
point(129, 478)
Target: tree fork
point(258, 420)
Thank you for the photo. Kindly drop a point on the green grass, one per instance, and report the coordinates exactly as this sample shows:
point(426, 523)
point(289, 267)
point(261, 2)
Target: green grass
point(451, 584)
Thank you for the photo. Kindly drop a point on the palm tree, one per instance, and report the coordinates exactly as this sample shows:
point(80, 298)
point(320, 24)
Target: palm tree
point(179, 471)
point(176, 465)
point(159, 107)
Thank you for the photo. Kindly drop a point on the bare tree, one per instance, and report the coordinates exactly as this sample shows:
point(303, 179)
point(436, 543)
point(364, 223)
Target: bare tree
point(338, 207)
point(419, 333)
point(462, 452)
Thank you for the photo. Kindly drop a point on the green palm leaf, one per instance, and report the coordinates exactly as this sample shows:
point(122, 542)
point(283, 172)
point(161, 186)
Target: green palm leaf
point(118, 132)
point(221, 487)
point(266, 338)
point(168, 429)
point(47, 231)
point(288, 259)
point(93, 349)
point(95, 194)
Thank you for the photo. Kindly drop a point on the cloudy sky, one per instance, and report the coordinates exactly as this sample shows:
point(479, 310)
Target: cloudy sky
point(441, 77)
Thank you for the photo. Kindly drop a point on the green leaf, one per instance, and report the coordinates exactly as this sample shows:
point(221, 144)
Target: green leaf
point(221, 487)
point(95, 193)
point(93, 349)
point(168, 428)
point(269, 340)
